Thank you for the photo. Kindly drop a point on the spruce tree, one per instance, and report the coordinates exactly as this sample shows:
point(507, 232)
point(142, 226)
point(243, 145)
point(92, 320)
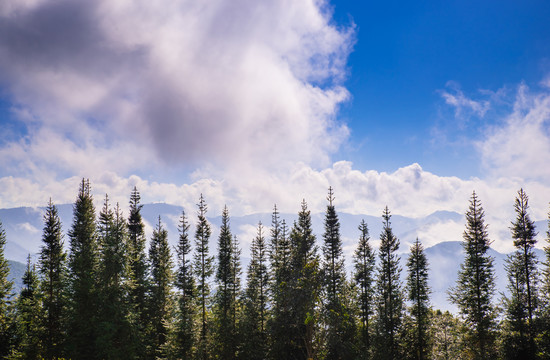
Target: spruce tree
point(523, 301)
point(185, 338)
point(83, 262)
point(236, 272)
point(28, 317)
point(419, 295)
point(338, 322)
point(390, 295)
point(160, 299)
point(279, 255)
point(475, 285)
point(256, 301)
point(203, 266)
point(5, 298)
point(223, 300)
point(364, 264)
point(52, 268)
point(114, 333)
point(137, 275)
point(305, 285)
point(544, 337)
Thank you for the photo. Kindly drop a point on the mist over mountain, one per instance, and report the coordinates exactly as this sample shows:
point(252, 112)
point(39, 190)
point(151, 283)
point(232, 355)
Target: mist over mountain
point(24, 225)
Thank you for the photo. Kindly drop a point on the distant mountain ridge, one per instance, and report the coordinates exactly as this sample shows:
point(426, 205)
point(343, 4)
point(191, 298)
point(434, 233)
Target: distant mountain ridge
point(24, 231)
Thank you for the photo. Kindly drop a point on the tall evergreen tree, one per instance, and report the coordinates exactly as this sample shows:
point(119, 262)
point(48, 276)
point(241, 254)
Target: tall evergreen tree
point(305, 285)
point(522, 272)
point(160, 300)
point(476, 284)
point(83, 262)
point(203, 266)
point(364, 264)
point(338, 322)
point(280, 253)
point(235, 291)
point(6, 287)
point(225, 336)
point(137, 274)
point(544, 337)
point(184, 342)
point(28, 317)
point(390, 295)
point(52, 268)
point(255, 302)
point(114, 333)
point(419, 295)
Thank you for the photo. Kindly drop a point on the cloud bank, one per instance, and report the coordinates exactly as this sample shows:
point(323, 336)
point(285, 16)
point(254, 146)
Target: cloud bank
point(125, 85)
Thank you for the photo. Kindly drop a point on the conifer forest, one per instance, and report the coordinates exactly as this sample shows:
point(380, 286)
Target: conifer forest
point(105, 291)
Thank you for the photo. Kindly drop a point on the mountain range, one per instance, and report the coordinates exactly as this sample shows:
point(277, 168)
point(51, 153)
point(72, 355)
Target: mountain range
point(23, 228)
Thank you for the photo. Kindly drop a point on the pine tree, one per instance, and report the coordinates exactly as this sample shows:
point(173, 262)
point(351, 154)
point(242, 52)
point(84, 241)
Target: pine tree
point(419, 295)
point(203, 266)
point(5, 298)
point(235, 292)
point(223, 299)
point(137, 275)
point(364, 263)
point(337, 317)
point(544, 337)
point(520, 330)
point(83, 262)
point(185, 339)
point(280, 253)
point(256, 301)
point(476, 284)
point(305, 285)
point(114, 333)
point(390, 296)
point(28, 317)
point(160, 301)
point(52, 268)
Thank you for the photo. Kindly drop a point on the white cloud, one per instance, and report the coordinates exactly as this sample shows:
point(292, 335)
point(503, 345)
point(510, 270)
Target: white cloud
point(520, 147)
point(463, 105)
point(121, 85)
point(409, 191)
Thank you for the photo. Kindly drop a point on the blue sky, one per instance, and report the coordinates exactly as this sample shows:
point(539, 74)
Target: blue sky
point(405, 55)
point(406, 104)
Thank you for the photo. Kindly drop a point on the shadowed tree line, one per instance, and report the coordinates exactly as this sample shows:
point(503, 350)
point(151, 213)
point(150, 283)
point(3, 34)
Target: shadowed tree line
point(107, 298)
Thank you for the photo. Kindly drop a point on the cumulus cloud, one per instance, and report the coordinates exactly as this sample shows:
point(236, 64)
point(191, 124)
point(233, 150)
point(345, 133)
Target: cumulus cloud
point(520, 146)
point(177, 82)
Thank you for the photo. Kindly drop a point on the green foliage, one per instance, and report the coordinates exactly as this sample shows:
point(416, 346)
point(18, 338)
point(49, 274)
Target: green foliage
point(160, 297)
point(447, 336)
point(52, 268)
point(83, 269)
point(28, 316)
point(5, 298)
point(225, 335)
point(184, 335)
point(203, 267)
point(476, 285)
point(255, 301)
point(137, 269)
point(114, 335)
point(281, 296)
point(419, 295)
point(338, 324)
point(364, 264)
point(390, 295)
point(305, 284)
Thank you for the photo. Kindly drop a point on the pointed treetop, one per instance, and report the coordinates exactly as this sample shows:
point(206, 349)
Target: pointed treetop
point(330, 196)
